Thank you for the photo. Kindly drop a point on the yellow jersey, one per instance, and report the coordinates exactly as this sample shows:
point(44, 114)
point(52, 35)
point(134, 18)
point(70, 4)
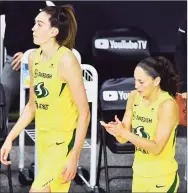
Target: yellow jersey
point(55, 108)
point(144, 124)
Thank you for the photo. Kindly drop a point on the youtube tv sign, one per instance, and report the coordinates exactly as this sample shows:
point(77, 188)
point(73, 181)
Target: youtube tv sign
point(110, 95)
point(131, 44)
point(121, 44)
point(114, 93)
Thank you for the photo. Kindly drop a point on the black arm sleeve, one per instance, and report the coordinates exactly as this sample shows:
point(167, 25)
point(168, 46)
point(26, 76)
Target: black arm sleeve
point(180, 55)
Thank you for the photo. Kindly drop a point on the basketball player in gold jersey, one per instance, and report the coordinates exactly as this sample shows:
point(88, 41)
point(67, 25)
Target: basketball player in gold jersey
point(57, 100)
point(150, 123)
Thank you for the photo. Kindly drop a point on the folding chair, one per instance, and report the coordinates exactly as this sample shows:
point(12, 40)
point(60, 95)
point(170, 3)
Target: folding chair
point(3, 135)
point(110, 101)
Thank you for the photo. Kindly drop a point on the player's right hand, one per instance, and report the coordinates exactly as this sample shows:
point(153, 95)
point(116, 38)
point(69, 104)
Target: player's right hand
point(7, 146)
point(117, 123)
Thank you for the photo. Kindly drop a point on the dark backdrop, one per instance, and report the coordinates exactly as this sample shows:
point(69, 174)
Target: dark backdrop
point(160, 19)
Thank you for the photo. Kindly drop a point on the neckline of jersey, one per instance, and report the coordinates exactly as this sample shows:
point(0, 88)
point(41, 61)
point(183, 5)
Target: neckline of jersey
point(49, 60)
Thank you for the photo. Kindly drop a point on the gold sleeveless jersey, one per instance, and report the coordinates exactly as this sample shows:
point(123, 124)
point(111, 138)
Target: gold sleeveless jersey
point(55, 108)
point(144, 124)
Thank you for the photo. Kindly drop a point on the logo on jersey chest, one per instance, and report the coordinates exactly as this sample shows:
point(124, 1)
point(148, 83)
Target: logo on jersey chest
point(42, 74)
point(40, 90)
point(141, 118)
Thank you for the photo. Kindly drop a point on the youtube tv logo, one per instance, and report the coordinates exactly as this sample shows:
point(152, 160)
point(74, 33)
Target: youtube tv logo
point(110, 95)
point(101, 44)
point(115, 95)
point(120, 44)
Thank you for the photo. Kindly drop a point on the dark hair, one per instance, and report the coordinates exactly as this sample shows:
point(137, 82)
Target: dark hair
point(62, 17)
point(161, 67)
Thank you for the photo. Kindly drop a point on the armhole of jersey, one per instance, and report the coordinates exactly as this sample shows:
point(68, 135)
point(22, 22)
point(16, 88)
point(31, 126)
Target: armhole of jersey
point(164, 98)
point(63, 50)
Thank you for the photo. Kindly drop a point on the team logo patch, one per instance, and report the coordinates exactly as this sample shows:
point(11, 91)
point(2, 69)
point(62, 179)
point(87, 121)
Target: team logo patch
point(141, 133)
point(40, 90)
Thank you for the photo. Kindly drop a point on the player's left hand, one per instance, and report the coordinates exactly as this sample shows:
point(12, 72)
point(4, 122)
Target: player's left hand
point(70, 169)
point(114, 129)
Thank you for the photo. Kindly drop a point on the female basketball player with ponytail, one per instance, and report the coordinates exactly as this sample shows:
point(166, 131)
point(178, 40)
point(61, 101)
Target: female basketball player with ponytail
point(150, 123)
point(57, 101)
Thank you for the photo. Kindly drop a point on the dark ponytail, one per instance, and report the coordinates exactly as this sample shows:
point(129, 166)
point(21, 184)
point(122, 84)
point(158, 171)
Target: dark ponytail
point(161, 67)
point(62, 17)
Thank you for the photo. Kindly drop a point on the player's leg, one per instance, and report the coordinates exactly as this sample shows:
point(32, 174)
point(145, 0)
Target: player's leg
point(57, 154)
point(57, 185)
